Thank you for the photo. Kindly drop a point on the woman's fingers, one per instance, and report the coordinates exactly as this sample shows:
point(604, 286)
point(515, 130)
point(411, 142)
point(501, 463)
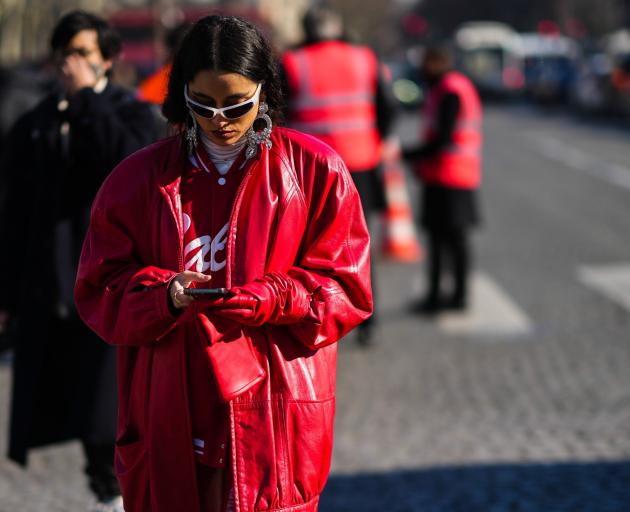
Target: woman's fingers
point(176, 292)
point(180, 300)
point(181, 281)
point(194, 277)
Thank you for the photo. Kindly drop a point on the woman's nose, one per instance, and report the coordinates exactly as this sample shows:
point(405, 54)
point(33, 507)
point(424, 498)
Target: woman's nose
point(218, 121)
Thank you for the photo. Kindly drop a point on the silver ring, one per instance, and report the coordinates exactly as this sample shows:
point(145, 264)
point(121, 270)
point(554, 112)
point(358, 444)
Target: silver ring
point(176, 298)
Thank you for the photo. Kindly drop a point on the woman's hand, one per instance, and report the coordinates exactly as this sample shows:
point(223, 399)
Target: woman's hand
point(181, 281)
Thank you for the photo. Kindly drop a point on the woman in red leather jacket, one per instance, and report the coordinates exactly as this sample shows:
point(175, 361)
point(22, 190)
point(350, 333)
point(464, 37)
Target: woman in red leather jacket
point(226, 399)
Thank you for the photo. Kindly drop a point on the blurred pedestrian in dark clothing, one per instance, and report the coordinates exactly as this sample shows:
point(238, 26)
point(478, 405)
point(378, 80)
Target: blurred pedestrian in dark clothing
point(153, 89)
point(449, 165)
point(21, 88)
point(56, 158)
point(337, 92)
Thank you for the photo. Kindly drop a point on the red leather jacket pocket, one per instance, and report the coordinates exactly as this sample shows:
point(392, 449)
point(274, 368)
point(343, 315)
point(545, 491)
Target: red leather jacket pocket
point(132, 470)
point(232, 357)
point(302, 434)
point(309, 429)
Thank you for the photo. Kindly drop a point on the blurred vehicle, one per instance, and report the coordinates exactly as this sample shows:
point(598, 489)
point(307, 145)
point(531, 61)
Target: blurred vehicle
point(488, 52)
point(550, 66)
point(616, 46)
point(603, 82)
point(620, 81)
point(592, 89)
point(407, 87)
point(142, 30)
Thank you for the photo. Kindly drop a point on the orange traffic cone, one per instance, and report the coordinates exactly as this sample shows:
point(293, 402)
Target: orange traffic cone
point(400, 242)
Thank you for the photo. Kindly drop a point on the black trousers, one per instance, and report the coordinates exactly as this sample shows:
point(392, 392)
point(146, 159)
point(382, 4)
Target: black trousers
point(449, 256)
point(372, 195)
point(99, 469)
point(98, 440)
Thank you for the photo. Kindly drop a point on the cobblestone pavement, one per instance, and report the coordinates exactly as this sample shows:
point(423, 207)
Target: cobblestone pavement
point(432, 422)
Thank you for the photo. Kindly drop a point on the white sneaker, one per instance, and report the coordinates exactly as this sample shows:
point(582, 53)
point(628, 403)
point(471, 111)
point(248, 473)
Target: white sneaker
point(111, 505)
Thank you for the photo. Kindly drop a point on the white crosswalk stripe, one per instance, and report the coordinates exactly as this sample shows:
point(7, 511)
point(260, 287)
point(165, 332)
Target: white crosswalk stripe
point(612, 281)
point(579, 160)
point(492, 314)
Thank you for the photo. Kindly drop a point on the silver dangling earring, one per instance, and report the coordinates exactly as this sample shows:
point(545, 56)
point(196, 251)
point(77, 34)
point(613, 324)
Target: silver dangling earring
point(255, 138)
point(191, 134)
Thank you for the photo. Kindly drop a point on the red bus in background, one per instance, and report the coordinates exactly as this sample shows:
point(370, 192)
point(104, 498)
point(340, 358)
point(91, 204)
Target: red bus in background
point(143, 29)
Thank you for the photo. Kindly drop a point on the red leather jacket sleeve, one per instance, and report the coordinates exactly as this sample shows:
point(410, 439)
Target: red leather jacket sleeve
point(124, 302)
point(334, 267)
point(274, 298)
point(291, 302)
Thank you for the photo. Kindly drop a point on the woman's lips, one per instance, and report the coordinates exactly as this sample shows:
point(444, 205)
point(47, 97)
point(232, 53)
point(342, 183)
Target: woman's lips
point(223, 134)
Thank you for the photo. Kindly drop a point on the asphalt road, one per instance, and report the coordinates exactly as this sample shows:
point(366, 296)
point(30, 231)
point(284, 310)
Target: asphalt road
point(523, 403)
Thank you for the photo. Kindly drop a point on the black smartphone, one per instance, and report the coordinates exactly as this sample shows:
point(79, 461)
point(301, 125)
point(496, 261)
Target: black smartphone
point(206, 292)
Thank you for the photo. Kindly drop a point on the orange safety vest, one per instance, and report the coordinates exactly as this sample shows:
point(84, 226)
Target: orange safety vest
point(155, 87)
point(459, 164)
point(333, 92)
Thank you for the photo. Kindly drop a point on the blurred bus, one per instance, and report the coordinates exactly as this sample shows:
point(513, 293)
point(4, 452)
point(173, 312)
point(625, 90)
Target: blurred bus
point(550, 66)
point(143, 28)
point(488, 52)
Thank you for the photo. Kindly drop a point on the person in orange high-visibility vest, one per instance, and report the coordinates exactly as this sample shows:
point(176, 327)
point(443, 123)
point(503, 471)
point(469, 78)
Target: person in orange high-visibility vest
point(153, 88)
point(337, 92)
point(448, 164)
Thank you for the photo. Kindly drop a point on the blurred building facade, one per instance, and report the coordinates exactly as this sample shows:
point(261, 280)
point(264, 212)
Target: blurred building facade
point(25, 25)
point(285, 16)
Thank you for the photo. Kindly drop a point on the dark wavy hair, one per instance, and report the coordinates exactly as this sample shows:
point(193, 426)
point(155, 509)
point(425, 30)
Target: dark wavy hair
point(222, 43)
point(72, 23)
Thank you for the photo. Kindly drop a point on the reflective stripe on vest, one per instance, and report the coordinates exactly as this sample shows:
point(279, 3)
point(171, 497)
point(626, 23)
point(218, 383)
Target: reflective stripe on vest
point(340, 111)
point(321, 127)
point(330, 100)
point(308, 99)
point(463, 149)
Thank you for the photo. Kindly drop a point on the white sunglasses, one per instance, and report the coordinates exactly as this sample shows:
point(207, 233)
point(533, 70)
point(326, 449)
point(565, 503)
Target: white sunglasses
point(232, 112)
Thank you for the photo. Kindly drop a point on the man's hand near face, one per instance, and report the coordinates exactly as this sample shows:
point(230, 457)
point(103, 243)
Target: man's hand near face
point(81, 64)
point(77, 73)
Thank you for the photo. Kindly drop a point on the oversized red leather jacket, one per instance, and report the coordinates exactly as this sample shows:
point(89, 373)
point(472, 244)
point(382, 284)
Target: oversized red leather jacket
point(296, 216)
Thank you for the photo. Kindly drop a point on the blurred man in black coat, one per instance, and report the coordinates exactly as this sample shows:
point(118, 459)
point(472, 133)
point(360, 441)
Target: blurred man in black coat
point(56, 158)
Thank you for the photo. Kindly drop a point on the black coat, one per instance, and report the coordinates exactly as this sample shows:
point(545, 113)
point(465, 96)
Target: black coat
point(56, 158)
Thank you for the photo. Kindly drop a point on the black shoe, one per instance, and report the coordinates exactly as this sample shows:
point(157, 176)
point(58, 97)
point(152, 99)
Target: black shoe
point(456, 304)
point(428, 306)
